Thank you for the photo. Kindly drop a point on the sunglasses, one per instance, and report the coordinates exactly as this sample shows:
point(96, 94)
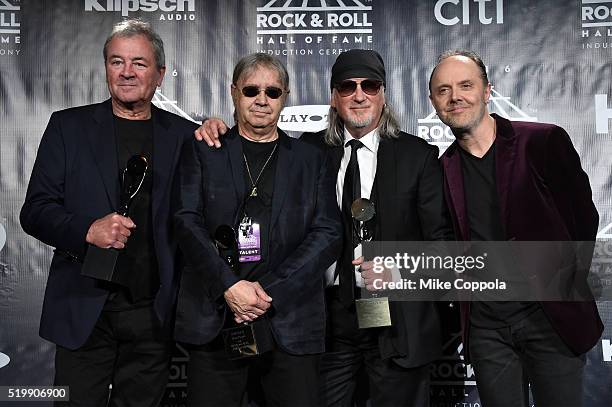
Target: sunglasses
point(368, 86)
point(271, 91)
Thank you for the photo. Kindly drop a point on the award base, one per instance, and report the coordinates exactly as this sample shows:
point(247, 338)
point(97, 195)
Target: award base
point(373, 312)
point(100, 263)
point(249, 339)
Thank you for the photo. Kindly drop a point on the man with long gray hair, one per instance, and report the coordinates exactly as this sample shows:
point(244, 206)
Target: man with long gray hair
point(110, 332)
point(401, 175)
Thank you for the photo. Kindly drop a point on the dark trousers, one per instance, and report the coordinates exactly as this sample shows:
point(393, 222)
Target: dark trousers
point(350, 351)
point(508, 359)
point(127, 349)
point(214, 380)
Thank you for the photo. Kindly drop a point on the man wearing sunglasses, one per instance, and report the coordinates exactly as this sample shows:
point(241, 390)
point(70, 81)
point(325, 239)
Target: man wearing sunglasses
point(110, 332)
point(277, 195)
point(400, 173)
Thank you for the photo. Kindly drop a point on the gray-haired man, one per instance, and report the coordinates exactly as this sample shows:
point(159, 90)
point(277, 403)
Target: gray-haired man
point(106, 332)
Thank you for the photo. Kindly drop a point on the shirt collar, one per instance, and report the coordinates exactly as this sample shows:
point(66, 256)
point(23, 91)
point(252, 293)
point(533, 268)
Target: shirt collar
point(370, 140)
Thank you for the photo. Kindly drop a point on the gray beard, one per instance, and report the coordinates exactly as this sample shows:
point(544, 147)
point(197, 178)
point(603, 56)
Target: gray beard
point(359, 124)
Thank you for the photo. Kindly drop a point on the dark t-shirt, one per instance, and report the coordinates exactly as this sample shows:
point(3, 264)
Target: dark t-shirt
point(136, 269)
point(259, 207)
point(484, 215)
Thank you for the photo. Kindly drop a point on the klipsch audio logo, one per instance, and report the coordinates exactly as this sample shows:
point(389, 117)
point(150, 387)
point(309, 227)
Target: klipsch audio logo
point(303, 27)
point(10, 27)
point(603, 114)
point(596, 16)
point(451, 12)
point(437, 133)
point(170, 10)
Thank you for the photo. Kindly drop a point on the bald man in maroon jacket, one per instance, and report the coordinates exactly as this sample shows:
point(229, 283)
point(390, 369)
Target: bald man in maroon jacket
point(515, 181)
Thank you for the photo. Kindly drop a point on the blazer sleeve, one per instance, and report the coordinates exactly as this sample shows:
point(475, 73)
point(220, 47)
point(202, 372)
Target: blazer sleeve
point(190, 227)
point(570, 186)
point(44, 215)
point(431, 207)
point(321, 246)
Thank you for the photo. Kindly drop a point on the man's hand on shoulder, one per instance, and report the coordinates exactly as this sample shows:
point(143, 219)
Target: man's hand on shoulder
point(210, 131)
point(112, 230)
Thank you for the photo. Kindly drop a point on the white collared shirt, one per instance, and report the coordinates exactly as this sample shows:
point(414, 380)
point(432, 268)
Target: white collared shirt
point(367, 157)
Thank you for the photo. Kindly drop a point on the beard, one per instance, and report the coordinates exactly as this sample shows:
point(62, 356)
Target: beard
point(360, 122)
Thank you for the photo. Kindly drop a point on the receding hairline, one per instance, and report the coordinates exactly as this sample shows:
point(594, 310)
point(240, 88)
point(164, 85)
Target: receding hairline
point(462, 58)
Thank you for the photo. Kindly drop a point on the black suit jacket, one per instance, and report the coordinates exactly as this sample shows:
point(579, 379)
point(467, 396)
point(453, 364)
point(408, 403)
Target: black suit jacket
point(74, 182)
point(409, 207)
point(304, 237)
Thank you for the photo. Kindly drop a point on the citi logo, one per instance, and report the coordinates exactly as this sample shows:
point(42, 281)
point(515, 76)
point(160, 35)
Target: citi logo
point(452, 12)
point(606, 350)
point(602, 114)
point(129, 6)
point(305, 118)
point(4, 360)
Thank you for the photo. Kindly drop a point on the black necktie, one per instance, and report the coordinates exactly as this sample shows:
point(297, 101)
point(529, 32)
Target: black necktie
point(350, 192)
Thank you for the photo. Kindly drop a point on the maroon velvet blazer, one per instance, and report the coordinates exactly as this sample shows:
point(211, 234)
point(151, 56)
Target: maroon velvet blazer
point(544, 195)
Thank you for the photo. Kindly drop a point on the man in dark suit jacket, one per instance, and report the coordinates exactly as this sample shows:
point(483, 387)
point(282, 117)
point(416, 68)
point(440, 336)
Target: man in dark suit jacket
point(277, 194)
point(108, 333)
point(515, 181)
point(401, 174)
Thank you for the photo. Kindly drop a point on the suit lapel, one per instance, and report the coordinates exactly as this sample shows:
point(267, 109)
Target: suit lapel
point(385, 182)
point(164, 151)
point(505, 154)
point(104, 150)
point(453, 175)
point(234, 151)
point(336, 153)
point(281, 179)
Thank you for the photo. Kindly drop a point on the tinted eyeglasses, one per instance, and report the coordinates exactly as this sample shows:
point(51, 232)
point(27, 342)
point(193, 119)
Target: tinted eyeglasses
point(271, 91)
point(368, 86)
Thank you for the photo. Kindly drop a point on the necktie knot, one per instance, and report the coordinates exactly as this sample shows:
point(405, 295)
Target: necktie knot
point(354, 144)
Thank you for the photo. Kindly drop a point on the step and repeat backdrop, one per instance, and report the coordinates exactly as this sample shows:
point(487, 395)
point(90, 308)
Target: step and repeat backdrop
point(548, 61)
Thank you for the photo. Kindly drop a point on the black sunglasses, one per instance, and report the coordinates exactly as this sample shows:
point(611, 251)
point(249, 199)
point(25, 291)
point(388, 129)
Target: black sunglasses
point(368, 86)
point(271, 91)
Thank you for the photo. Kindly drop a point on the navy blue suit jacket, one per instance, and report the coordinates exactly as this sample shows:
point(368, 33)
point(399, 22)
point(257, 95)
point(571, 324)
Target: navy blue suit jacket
point(74, 182)
point(305, 232)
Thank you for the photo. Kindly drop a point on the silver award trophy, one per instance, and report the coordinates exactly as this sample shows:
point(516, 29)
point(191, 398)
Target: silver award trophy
point(371, 312)
point(100, 263)
point(248, 338)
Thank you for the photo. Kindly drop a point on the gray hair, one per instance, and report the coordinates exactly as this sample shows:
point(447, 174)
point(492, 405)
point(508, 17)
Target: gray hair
point(463, 53)
point(132, 27)
point(251, 62)
point(388, 126)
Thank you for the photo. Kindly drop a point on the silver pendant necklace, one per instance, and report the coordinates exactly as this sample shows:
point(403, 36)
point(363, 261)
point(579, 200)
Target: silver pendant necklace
point(254, 183)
